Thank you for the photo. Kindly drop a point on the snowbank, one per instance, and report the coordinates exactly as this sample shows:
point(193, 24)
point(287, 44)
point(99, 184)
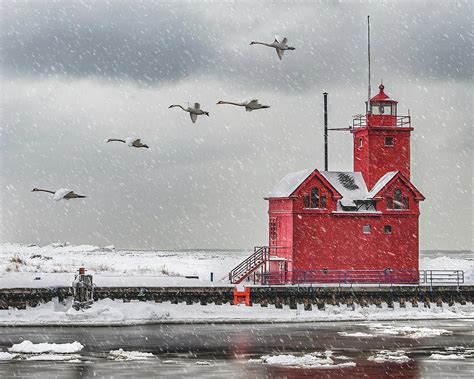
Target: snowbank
point(109, 312)
point(56, 265)
point(30, 347)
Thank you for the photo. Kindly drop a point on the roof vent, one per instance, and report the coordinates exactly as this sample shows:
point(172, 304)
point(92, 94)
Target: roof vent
point(347, 181)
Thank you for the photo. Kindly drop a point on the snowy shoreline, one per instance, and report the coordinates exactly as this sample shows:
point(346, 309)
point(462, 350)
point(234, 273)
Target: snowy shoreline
point(55, 266)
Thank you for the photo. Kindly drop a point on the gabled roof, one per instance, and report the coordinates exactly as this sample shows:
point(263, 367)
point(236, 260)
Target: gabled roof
point(290, 182)
point(389, 177)
point(347, 186)
point(381, 183)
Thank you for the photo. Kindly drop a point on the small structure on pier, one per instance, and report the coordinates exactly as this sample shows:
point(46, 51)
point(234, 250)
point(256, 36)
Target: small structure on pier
point(323, 223)
point(83, 290)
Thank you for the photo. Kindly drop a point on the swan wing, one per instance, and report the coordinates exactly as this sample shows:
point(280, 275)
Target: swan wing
point(131, 140)
point(197, 105)
point(277, 39)
point(253, 103)
point(61, 194)
point(194, 117)
point(280, 52)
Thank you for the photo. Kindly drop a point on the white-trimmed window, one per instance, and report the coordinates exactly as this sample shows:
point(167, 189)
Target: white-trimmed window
point(366, 229)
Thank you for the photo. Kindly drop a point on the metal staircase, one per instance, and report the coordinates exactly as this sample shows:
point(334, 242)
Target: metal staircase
point(248, 266)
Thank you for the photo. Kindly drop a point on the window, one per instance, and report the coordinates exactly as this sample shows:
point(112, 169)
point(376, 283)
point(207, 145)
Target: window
point(389, 203)
point(314, 198)
point(360, 142)
point(323, 202)
point(397, 199)
point(406, 203)
point(389, 141)
point(387, 229)
point(273, 228)
point(306, 201)
point(366, 229)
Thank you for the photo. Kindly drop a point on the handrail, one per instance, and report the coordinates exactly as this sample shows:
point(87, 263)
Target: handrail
point(361, 121)
point(250, 264)
point(341, 277)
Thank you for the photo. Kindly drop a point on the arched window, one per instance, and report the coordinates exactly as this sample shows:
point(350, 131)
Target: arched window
point(306, 201)
point(397, 199)
point(314, 198)
point(389, 203)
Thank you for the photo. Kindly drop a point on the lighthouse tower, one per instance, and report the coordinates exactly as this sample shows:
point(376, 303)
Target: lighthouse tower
point(381, 140)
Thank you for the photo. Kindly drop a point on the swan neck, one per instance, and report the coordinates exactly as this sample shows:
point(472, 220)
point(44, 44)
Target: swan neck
point(43, 190)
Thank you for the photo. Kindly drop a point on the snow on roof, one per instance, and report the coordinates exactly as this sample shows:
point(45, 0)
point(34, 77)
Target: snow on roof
point(286, 186)
point(381, 183)
point(350, 185)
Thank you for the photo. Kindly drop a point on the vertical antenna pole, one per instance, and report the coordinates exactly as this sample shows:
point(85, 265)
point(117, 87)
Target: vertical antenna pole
point(368, 58)
point(325, 94)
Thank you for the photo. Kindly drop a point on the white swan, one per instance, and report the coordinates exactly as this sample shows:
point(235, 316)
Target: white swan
point(193, 112)
point(130, 141)
point(250, 104)
point(62, 193)
point(279, 44)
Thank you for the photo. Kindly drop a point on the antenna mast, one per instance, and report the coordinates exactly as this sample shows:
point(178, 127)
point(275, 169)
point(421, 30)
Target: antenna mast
point(368, 58)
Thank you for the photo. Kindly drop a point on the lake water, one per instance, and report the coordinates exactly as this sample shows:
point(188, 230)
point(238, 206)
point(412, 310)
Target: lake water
point(224, 351)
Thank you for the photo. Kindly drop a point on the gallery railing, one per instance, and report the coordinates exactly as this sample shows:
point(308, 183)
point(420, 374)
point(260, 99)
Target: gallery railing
point(377, 277)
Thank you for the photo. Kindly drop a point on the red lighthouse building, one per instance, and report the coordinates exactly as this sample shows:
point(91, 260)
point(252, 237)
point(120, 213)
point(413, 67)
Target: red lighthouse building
point(362, 223)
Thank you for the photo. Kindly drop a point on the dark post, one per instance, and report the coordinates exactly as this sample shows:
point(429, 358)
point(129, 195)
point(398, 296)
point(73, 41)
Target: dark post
point(325, 131)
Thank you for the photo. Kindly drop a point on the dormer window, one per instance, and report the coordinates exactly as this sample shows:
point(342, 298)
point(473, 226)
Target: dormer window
point(306, 202)
point(314, 198)
point(314, 201)
point(398, 201)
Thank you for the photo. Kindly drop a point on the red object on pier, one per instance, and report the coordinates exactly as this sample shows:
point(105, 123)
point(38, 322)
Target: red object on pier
point(366, 219)
point(242, 297)
point(82, 270)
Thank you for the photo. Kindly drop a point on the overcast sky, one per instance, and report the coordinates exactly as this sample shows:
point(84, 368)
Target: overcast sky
point(76, 73)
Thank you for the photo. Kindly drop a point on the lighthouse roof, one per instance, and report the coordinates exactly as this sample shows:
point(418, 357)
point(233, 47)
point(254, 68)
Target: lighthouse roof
point(349, 184)
point(290, 182)
point(381, 183)
point(382, 96)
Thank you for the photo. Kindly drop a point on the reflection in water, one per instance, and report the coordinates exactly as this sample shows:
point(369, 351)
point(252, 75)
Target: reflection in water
point(361, 370)
point(229, 348)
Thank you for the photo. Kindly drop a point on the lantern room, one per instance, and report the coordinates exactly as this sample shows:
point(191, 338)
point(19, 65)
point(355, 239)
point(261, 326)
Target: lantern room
point(381, 110)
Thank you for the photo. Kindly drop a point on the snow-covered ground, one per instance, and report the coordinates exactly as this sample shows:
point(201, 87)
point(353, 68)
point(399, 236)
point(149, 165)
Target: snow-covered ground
point(55, 265)
point(109, 312)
